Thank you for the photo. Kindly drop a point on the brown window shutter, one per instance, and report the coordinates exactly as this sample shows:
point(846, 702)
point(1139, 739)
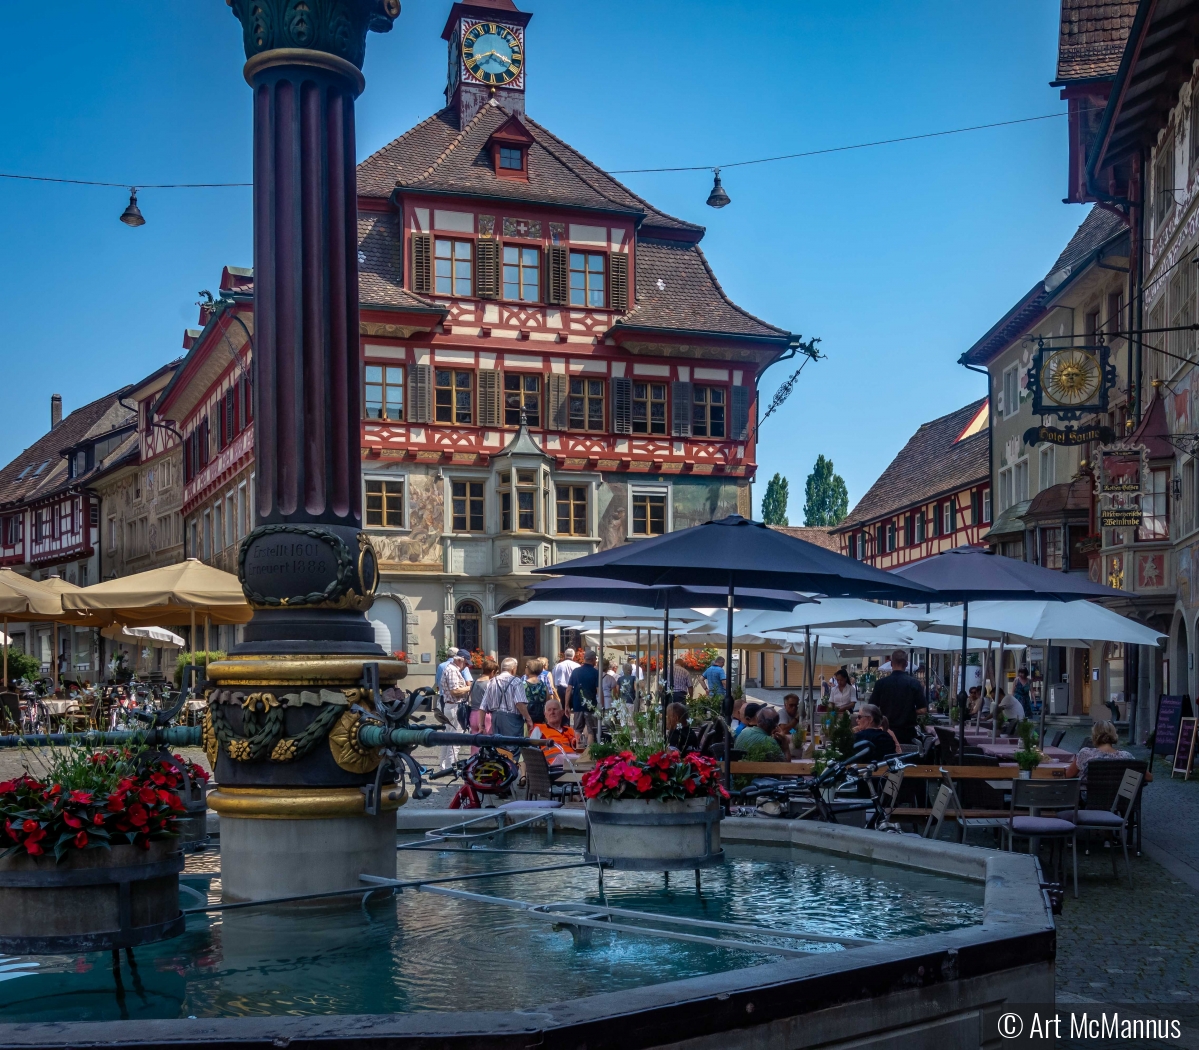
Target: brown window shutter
point(420, 410)
point(739, 431)
point(489, 397)
point(556, 406)
point(680, 405)
point(622, 405)
point(557, 275)
point(487, 270)
point(422, 262)
point(618, 282)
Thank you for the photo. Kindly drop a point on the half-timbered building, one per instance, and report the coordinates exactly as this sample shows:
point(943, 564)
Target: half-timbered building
point(935, 495)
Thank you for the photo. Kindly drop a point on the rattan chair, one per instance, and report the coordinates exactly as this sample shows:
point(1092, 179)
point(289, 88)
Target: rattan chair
point(537, 777)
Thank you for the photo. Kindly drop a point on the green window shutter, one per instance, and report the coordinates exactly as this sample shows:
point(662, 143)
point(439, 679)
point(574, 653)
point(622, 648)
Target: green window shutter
point(420, 410)
point(557, 275)
point(487, 269)
point(422, 262)
point(489, 397)
point(622, 405)
point(739, 431)
point(680, 405)
point(556, 407)
point(618, 282)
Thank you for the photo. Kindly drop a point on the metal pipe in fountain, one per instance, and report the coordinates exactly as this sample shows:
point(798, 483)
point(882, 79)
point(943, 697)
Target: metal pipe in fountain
point(293, 818)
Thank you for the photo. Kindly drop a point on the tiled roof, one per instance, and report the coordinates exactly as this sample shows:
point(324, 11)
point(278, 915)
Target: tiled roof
point(676, 289)
point(439, 157)
point(380, 275)
point(1091, 38)
point(822, 537)
point(43, 465)
point(932, 463)
point(1098, 228)
point(1059, 499)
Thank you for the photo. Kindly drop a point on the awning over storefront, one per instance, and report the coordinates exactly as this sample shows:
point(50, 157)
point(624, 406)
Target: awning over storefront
point(1009, 523)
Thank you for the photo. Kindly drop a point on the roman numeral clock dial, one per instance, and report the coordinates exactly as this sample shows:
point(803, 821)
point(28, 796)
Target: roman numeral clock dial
point(492, 54)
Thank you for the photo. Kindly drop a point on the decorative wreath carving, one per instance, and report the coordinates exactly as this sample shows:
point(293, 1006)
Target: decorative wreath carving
point(262, 731)
point(339, 593)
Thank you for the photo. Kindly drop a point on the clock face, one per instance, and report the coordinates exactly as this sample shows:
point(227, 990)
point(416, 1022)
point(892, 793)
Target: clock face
point(492, 53)
point(1071, 377)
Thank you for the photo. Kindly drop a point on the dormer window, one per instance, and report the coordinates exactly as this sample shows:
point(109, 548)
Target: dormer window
point(509, 147)
point(512, 159)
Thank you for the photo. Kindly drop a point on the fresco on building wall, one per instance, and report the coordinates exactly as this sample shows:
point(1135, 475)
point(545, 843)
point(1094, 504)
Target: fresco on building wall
point(1183, 576)
point(613, 513)
point(1178, 405)
point(422, 544)
point(698, 500)
point(1151, 571)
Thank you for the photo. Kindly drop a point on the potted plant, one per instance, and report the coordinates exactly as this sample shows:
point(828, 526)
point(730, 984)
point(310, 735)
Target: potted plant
point(1028, 757)
point(92, 859)
point(654, 812)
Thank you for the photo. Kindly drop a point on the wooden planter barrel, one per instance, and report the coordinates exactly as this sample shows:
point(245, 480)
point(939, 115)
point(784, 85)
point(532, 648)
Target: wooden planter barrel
point(654, 834)
point(93, 900)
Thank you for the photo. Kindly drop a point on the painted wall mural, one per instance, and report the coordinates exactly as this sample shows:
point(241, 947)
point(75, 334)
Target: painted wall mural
point(421, 545)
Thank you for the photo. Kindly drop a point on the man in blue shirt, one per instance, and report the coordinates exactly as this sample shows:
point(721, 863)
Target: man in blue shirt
point(715, 677)
point(582, 692)
point(449, 660)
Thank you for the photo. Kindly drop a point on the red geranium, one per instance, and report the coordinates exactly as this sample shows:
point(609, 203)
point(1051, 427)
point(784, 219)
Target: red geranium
point(662, 775)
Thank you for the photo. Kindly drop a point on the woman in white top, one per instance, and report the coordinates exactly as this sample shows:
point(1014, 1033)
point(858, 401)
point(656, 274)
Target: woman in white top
point(844, 694)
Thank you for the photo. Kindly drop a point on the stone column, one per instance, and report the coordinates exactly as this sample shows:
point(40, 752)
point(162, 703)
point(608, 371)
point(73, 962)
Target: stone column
point(291, 807)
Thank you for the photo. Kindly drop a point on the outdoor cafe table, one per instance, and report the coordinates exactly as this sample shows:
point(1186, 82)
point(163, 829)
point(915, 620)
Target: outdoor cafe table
point(803, 767)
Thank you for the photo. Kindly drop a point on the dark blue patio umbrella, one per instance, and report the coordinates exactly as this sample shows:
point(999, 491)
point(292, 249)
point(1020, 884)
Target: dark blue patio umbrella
point(735, 552)
point(619, 592)
point(967, 574)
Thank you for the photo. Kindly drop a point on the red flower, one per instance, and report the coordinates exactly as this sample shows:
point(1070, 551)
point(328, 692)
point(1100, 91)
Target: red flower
point(138, 815)
point(81, 797)
point(72, 821)
point(29, 825)
point(642, 783)
point(81, 840)
point(98, 820)
point(147, 795)
point(33, 849)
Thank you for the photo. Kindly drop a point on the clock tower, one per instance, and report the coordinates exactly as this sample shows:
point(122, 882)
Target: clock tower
point(486, 56)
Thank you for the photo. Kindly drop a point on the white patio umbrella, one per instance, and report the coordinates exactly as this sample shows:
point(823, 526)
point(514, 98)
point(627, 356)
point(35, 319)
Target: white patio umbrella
point(1075, 624)
point(158, 635)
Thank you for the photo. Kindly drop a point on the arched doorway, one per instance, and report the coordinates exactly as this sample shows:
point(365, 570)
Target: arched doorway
point(468, 626)
point(1180, 660)
point(520, 639)
point(387, 618)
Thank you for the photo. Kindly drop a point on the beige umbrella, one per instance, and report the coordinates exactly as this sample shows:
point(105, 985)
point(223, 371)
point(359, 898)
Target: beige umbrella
point(171, 594)
point(39, 601)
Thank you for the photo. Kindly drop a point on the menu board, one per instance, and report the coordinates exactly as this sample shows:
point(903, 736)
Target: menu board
point(1184, 750)
point(1170, 711)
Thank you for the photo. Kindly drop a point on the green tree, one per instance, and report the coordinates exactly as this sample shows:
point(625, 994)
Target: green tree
point(826, 499)
point(774, 503)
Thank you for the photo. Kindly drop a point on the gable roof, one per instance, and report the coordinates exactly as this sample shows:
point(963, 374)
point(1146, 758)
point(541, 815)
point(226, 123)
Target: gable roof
point(437, 156)
point(932, 463)
point(41, 470)
point(819, 535)
point(677, 290)
point(1091, 38)
point(1098, 231)
point(380, 274)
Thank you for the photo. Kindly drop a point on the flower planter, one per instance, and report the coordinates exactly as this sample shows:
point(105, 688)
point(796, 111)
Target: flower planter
point(94, 900)
point(654, 834)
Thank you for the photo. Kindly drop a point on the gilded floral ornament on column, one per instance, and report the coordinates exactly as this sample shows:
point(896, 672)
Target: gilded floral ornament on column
point(338, 27)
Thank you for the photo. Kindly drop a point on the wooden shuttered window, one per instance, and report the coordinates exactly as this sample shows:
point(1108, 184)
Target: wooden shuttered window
point(422, 262)
point(420, 394)
point(622, 405)
point(490, 397)
point(618, 282)
point(680, 418)
point(739, 428)
point(557, 401)
point(557, 275)
point(487, 269)
point(221, 426)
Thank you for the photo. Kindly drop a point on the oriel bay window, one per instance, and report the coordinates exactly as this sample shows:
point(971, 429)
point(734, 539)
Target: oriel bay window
point(452, 267)
point(586, 404)
point(708, 411)
point(522, 392)
point(454, 396)
point(384, 503)
point(1155, 523)
point(467, 506)
point(649, 408)
point(526, 502)
point(522, 273)
point(587, 279)
point(572, 510)
point(649, 513)
point(384, 395)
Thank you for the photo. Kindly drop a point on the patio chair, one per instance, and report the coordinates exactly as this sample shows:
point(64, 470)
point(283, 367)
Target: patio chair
point(1054, 795)
point(888, 795)
point(537, 777)
point(1058, 737)
point(948, 740)
point(970, 794)
point(1104, 777)
point(937, 816)
point(1118, 816)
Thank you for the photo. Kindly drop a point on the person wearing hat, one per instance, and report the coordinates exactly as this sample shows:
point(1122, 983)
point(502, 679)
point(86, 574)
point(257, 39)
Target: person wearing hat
point(453, 653)
point(454, 690)
point(749, 716)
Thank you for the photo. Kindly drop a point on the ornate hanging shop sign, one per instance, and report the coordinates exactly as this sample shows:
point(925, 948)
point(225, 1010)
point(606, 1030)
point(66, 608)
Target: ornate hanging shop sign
point(1071, 381)
point(1123, 471)
point(1068, 435)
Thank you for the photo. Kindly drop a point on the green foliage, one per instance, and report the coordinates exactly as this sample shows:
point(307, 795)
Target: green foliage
point(774, 502)
point(826, 499)
point(640, 733)
point(838, 732)
point(22, 665)
point(201, 659)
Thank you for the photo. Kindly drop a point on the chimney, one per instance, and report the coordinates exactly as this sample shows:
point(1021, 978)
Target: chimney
point(55, 410)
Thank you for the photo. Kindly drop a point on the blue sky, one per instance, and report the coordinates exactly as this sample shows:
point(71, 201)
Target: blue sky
point(898, 257)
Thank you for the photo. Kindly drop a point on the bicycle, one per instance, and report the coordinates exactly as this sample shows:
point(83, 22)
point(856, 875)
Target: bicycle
point(488, 772)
